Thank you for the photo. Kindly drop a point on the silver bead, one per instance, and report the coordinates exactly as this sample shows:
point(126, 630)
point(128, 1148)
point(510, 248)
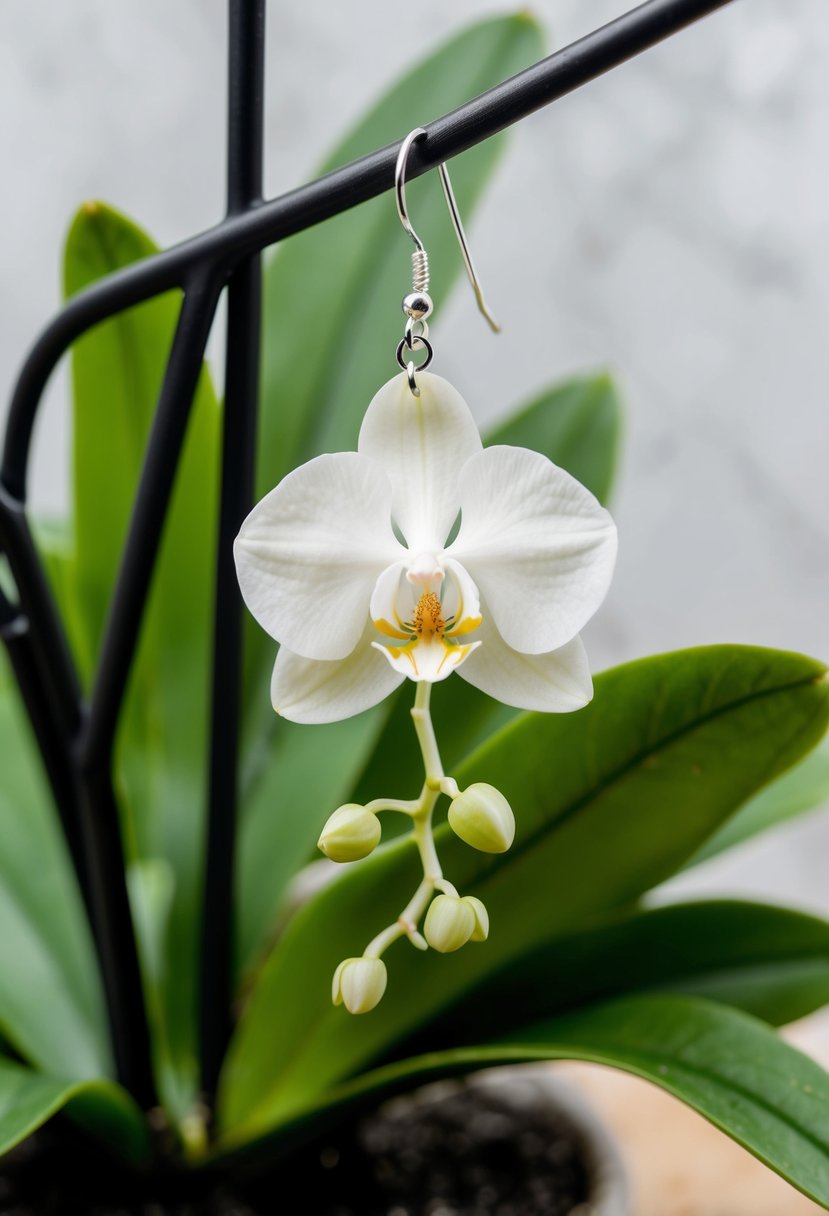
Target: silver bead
point(418, 304)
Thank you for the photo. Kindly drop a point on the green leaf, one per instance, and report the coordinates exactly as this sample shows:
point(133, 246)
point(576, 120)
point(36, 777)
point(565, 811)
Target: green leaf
point(609, 802)
point(728, 1066)
point(576, 425)
point(331, 322)
point(51, 1004)
point(28, 1099)
point(802, 789)
point(117, 371)
point(768, 961)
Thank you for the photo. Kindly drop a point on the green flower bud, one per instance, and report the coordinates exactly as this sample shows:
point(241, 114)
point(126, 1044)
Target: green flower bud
point(359, 984)
point(351, 833)
point(450, 922)
point(482, 817)
point(481, 931)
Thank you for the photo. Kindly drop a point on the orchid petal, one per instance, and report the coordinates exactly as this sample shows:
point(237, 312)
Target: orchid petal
point(461, 605)
point(384, 606)
point(539, 546)
point(558, 682)
point(318, 690)
point(309, 554)
point(421, 442)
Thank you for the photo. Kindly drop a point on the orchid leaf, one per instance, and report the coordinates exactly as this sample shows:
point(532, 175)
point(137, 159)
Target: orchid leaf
point(29, 1099)
point(804, 788)
point(726, 1065)
point(51, 1003)
point(630, 787)
point(117, 371)
point(771, 962)
point(577, 424)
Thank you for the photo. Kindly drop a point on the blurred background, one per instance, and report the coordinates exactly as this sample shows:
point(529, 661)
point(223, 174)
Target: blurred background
point(669, 222)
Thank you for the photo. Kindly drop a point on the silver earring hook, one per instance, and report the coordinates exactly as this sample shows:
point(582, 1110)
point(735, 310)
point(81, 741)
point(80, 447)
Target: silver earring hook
point(420, 262)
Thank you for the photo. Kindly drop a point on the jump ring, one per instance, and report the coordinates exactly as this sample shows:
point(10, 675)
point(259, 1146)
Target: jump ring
point(424, 344)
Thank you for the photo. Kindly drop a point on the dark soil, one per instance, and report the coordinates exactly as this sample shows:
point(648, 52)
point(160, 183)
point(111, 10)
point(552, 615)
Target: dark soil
point(469, 1151)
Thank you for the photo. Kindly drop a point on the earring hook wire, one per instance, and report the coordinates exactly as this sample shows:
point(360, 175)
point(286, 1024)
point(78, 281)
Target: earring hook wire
point(452, 203)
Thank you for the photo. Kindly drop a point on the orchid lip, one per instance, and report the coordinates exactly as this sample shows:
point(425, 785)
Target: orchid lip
point(426, 618)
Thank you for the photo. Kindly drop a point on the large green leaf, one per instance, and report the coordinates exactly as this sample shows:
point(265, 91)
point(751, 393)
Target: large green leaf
point(28, 1099)
point(51, 1005)
point(768, 961)
point(331, 323)
point(117, 370)
point(728, 1066)
point(608, 802)
point(576, 425)
point(804, 788)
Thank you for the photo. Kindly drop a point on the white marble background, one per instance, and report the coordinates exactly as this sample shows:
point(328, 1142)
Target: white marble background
point(670, 221)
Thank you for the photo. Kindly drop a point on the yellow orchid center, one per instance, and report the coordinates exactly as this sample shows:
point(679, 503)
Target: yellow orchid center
point(426, 609)
point(428, 617)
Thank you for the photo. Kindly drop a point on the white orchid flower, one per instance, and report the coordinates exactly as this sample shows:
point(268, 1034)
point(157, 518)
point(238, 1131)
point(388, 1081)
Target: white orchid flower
point(349, 565)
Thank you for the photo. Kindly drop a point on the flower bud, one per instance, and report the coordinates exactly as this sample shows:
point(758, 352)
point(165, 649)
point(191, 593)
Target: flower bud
point(482, 817)
point(359, 984)
point(350, 834)
point(450, 922)
point(481, 931)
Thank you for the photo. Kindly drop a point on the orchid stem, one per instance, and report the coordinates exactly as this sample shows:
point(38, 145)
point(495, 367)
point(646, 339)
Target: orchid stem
point(425, 732)
point(405, 806)
point(421, 811)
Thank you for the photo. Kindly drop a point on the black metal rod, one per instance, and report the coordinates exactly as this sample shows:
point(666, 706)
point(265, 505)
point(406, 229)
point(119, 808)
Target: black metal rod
point(246, 80)
point(245, 104)
point(112, 926)
point(8, 612)
point(240, 235)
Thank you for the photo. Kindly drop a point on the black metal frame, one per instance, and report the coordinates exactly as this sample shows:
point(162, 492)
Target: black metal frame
point(75, 736)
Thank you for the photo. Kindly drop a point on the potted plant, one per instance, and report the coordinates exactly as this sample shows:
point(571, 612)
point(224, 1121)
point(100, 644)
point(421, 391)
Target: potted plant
point(677, 757)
